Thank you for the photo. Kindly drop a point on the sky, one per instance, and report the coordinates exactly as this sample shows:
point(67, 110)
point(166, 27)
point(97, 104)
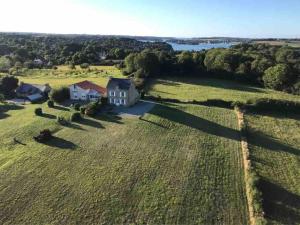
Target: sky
point(165, 18)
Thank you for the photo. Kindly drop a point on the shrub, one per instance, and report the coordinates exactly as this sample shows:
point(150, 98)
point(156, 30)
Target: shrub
point(104, 101)
point(76, 106)
point(84, 66)
point(82, 109)
point(50, 103)
point(76, 116)
point(92, 108)
point(62, 121)
point(38, 111)
point(60, 95)
point(45, 135)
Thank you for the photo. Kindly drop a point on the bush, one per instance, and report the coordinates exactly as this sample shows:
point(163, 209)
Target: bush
point(62, 121)
point(92, 108)
point(76, 106)
point(50, 103)
point(38, 111)
point(76, 116)
point(60, 95)
point(104, 101)
point(84, 66)
point(45, 135)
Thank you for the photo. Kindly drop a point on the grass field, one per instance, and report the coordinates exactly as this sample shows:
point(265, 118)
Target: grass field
point(294, 44)
point(203, 89)
point(275, 151)
point(177, 165)
point(64, 76)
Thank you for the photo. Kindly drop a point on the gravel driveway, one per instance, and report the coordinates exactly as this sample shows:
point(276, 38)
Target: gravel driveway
point(139, 109)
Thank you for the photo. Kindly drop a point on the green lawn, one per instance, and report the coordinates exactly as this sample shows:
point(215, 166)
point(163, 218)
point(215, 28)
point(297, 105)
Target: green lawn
point(177, 165)
point(275, 151)
point(64, 76)
point(204, 88)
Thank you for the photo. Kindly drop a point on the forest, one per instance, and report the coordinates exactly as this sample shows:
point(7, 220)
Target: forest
point(42, 50)
point(275, 67)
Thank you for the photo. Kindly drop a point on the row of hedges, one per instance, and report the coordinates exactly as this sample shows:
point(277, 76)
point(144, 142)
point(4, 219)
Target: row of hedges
point(252, 179)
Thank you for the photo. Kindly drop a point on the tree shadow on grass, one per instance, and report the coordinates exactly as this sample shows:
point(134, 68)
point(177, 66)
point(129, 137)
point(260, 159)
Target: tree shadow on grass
point(58, 142)
point(58, 107)
point(91, 123)
point(74, 126)
point(154, 123)
point(260, 139)
point(110, 118)
point(279, 204)
point(211, 82)
point(4, 108)
point(201, 124)
point(48, 116)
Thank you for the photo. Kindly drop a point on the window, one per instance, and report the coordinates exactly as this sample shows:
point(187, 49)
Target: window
point(111, 101)
point(122, 94)
point(123, 101)
point(112, 93)
point(75, 96)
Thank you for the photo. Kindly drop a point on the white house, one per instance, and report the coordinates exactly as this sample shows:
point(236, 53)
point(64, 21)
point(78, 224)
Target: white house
point(86, 91)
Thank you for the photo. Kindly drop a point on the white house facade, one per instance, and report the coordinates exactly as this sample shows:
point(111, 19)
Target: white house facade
point(86, 91)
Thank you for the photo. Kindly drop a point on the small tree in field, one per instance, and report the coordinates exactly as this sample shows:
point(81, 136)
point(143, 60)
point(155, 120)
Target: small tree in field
point(38, 111)
point(50, 103)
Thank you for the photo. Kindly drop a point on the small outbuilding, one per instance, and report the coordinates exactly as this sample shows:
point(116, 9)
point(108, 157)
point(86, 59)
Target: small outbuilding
point(33, 92)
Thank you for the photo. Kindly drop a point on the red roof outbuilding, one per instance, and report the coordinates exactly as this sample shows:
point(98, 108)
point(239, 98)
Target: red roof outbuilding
point(86, 85)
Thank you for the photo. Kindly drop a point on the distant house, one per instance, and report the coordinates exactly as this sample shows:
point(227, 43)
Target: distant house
point(33, 92)
point(122, 92)
point(86, 91)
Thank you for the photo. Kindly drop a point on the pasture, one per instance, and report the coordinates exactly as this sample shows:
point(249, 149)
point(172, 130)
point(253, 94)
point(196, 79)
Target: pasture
point(202, 89)
point(274, 142)
point(64, 76)
point(177, 165)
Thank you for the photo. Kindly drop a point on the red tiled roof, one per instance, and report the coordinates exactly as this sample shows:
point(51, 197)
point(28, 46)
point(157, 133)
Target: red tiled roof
point(89, 85)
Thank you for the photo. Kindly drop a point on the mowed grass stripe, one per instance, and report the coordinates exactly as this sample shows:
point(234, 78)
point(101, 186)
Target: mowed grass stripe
point(179, 164)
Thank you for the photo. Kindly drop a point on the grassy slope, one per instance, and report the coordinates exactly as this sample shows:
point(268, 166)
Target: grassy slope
point(64, 76)
point(203, 89)
point(275, 151)
point(180, 164)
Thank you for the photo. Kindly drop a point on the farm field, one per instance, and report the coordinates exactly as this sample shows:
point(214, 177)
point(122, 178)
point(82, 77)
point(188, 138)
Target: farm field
point(64, 76)
point(205, 88)
point(275, 151)
point(294, 44)
point(179, 164)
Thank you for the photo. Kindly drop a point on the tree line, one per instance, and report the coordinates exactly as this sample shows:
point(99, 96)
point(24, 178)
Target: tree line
point(41, 50)
point(273, 67)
